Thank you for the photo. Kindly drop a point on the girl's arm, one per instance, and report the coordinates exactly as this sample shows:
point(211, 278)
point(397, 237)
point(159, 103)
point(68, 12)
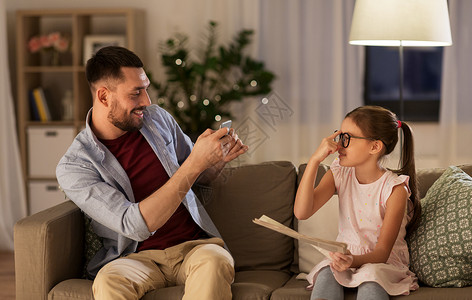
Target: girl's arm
point(308, 199)
point(396, 205)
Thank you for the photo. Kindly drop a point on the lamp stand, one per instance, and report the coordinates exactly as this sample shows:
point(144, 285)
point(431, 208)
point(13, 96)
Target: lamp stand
point(402, 106)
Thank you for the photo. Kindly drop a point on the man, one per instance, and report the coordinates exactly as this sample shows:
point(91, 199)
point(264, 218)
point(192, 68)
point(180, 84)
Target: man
point(131, 171)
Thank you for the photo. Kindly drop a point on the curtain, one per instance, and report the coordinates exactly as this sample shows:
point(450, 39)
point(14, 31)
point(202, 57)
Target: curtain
point(12, 194)
point(319, 79)
point(456, 104)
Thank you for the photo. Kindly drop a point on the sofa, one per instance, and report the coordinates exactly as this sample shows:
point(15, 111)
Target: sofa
point(50, 245)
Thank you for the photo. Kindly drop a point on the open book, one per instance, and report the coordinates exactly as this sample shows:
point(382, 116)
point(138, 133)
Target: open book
point(324, 246)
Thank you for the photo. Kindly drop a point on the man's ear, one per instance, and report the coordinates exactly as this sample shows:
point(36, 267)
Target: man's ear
point(376, 147)
point(103, 95)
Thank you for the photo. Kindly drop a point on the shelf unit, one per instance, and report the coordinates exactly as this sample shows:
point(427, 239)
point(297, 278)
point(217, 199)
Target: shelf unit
point(43, 143)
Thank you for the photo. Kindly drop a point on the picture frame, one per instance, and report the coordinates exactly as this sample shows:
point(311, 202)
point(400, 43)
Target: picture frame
point(93, 43)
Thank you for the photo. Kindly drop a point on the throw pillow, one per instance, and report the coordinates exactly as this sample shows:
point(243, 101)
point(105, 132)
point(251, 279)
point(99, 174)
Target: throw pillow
point(241, 194)
point(441, 246)
point(93, 243)
point(323, 224)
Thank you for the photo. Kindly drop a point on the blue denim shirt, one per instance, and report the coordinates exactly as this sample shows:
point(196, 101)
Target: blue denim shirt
point(95, 181)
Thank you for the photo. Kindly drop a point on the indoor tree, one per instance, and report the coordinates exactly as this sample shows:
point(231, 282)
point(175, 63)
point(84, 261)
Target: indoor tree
point(197, 91)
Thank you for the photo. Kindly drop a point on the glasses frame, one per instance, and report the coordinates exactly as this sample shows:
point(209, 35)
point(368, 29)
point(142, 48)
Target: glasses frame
point(340, 138)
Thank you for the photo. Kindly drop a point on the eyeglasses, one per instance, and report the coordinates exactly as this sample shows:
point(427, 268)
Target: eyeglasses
point(345, 139)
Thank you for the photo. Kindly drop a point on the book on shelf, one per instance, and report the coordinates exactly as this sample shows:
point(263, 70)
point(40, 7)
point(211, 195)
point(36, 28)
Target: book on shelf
point(322, 245)
point(34, 112)
point(41, 104)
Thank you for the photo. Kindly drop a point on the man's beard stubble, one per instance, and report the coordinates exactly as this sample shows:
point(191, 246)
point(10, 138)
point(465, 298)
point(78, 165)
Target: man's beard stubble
point(126, 122)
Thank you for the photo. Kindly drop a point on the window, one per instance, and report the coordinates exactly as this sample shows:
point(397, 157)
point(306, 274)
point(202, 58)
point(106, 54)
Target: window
point(421, 85)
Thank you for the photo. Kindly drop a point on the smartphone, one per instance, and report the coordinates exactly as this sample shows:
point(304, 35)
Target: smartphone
point(226, 124)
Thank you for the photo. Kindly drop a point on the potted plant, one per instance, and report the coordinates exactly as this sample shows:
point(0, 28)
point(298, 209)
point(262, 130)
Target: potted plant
point(197, 92)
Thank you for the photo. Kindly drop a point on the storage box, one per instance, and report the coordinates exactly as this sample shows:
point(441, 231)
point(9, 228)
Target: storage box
point(44, 194)
point(46, 146)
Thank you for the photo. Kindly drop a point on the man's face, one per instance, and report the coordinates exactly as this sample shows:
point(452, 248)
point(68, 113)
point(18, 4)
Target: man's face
point(129, 99)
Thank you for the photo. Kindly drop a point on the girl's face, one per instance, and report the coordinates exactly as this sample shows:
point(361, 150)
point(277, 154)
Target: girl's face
point(358, 151)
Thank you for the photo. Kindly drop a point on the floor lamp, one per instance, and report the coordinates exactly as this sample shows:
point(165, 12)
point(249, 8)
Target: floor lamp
point(401, 23)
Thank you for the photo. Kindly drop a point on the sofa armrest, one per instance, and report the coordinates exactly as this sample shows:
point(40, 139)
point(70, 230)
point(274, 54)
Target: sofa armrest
point(48, 249)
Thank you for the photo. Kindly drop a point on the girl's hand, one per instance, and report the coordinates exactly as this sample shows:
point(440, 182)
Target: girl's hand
point(341, 262)
point(328, 146)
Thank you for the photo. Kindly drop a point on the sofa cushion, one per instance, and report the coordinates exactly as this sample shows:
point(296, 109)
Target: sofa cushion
point(441, 246)
point(323, 224)
point(93, 243)
point(296, 290)
point(257, 285)
point(426, 177)
point(72, 289)
point(253, 285)
point(243, 193)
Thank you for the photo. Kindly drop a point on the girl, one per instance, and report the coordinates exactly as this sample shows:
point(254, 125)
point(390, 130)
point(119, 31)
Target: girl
point(376, 207)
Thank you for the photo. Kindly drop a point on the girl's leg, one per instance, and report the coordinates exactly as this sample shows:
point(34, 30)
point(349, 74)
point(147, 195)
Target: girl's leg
point(371, 291)
point(326, 286)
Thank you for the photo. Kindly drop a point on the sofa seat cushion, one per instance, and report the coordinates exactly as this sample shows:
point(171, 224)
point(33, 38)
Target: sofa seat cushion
point(257, 285)
point(241, 194)
point(295, 289)
point(437, 293)
point(72, 289)
point(441, 246)
point(254, 285)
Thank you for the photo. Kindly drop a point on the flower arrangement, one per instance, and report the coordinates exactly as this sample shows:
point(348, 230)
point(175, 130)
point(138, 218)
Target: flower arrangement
point(52, 41)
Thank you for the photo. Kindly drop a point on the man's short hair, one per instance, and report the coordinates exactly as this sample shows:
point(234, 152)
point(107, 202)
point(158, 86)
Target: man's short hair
point(107, 63)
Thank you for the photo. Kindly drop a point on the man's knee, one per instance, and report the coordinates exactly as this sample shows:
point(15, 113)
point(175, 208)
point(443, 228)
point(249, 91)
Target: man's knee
point(213, 260)
point(213, 255)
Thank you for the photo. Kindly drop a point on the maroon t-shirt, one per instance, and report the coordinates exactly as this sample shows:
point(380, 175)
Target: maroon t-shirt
point(146, 174)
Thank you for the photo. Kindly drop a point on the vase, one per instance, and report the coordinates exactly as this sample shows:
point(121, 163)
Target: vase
point(50, 58)
point(55, 59)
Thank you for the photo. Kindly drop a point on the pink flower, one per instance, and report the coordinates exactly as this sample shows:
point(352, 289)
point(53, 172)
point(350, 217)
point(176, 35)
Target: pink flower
point(61, 45)
point(54, 37)
point(45, 42)
point(34, 44)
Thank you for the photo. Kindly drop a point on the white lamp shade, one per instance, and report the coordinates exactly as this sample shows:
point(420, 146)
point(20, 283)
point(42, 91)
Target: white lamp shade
point(409, 22)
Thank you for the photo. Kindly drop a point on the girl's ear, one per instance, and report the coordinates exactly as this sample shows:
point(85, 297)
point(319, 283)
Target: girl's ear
point(376, 147)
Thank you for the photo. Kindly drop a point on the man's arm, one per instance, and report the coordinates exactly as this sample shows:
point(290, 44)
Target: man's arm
point(211, 148)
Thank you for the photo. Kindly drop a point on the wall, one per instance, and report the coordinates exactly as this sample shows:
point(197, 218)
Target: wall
point(165, 17)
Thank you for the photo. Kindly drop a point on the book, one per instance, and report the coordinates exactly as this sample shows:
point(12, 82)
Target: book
point(322, 245)
point(41, 103)
point(33, 107)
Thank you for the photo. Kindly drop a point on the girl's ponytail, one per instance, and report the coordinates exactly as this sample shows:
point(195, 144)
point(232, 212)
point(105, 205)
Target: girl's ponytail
point(407, 167)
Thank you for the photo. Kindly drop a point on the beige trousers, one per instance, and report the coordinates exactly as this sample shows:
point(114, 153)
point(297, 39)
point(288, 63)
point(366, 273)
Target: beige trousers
point(203, 266)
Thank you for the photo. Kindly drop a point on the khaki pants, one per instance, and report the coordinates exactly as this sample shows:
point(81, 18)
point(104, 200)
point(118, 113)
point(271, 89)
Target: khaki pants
point(203, 266)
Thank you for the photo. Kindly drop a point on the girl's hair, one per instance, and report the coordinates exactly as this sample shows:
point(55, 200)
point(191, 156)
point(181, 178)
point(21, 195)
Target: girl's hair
point(381, 124)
